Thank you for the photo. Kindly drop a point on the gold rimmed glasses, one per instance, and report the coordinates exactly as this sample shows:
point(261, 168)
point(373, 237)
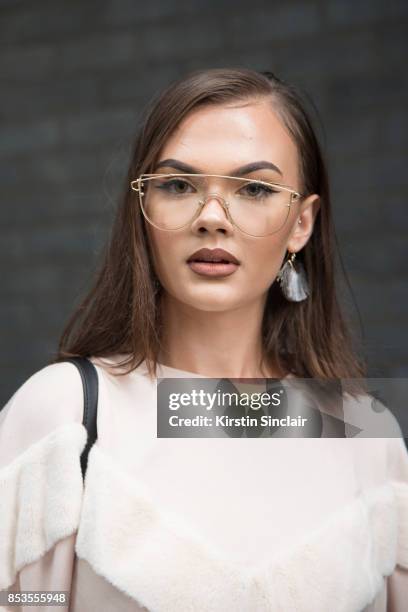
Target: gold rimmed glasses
point(172, 201)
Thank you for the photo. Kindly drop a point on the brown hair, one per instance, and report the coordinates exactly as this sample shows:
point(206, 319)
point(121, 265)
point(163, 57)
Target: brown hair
point(122, 312)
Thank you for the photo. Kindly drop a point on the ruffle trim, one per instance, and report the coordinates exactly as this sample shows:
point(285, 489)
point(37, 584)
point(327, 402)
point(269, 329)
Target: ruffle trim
point(154, 558)
point(401, 494)
point(40, 499)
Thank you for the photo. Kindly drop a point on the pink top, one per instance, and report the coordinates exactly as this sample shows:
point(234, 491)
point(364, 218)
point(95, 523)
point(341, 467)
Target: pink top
point(193, 524)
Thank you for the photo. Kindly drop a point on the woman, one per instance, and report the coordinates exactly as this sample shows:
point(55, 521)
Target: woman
point(225, 159)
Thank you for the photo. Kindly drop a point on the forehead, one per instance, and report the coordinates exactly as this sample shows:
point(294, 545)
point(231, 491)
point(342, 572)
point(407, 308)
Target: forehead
point(216, 138)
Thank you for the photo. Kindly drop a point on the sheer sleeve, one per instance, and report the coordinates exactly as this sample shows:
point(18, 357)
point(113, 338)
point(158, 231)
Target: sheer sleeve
point(41, 440)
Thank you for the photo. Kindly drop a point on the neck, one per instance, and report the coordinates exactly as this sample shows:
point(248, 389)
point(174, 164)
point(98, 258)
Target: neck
point(215, 343)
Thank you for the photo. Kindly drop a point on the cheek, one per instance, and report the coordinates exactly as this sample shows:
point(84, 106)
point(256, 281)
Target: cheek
point(163, 248)
point(265, 259)
point(155, 246)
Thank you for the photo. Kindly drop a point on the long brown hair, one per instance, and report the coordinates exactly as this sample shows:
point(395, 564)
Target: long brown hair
point(122, 313)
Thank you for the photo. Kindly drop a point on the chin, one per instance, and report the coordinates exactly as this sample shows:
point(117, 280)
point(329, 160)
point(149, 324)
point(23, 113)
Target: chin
point(208, 300)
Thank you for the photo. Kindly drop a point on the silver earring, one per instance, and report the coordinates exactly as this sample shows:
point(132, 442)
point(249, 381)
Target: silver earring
point(293, 281)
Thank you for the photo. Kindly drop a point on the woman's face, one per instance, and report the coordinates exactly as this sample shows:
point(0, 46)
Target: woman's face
point(215, 140)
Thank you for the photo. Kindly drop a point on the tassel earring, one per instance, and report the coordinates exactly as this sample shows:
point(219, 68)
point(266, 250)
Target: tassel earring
point(293, 281)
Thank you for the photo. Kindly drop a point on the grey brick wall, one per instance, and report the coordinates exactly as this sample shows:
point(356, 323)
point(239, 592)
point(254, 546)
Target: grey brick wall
point(75, 76)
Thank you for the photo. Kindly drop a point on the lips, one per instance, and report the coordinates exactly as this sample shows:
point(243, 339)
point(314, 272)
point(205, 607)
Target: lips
point(213, 256)
point(213, 269)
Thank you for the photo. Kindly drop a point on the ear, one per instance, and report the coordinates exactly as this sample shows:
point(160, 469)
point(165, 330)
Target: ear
point(303, 223)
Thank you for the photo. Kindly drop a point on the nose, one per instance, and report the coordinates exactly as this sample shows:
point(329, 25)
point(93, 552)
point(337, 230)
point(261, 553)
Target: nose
point(213, 215)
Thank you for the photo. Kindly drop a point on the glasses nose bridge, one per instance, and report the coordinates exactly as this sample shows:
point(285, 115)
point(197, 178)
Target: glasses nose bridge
point(221, 201)
point(214, 187)
point(213, 195)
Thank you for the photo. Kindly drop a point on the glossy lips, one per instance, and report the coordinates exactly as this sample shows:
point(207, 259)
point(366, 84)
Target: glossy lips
point(213, 262)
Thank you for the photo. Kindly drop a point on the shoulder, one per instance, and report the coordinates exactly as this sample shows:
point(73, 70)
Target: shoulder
point(41, 441)
point(49, 399)
point(369, 418)
point(54, 392)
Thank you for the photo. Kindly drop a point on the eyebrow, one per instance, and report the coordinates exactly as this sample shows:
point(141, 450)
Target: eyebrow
point(241, 171)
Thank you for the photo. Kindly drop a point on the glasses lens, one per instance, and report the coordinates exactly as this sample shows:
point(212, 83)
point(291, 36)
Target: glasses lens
point(257, 208)
point(171, 202)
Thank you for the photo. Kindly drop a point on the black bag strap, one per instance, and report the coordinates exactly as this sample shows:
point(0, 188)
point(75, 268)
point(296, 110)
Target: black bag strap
point(89, 377)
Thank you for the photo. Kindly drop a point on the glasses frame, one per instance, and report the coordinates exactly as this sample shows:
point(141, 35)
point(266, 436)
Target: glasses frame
point(137, 185)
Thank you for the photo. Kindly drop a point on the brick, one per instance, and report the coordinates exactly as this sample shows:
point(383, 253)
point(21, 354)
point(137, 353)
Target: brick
point(272, 23)
point(352, 12)
point(129, 12)
point(95, 128)
point(94, 51)
point(378, 169)
point(347, 94)
point(32, 64)
point(52, 173)
point(367, 290)
point(51, 242)
point(17, 139)
point(59, 97)
point(376, 256)
point(357, 210)
point(48, 20)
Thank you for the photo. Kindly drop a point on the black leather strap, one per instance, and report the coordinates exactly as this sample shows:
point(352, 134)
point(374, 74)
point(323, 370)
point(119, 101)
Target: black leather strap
point(89, 378)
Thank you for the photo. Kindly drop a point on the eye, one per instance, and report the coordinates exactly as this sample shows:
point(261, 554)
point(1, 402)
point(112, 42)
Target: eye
point(257, 190)
point(177, 186)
